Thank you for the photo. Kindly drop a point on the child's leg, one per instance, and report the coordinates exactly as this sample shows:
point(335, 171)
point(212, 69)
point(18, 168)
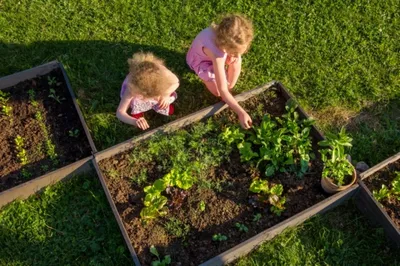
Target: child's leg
point(212, 87)
point(233, 72)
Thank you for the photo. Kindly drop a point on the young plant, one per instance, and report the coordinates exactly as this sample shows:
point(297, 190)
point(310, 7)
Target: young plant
point(381, 194)
point(51, 81)
point(53, 95)
point(159, 262)
point(386, 193)
point(74, 133)
point(21, 152)
point(336, 165)
point(154, 202)
point(6, 110)
point(257, 217)
point(219, 237)
point(271, 195)
point(25, 173)
point(202, 206)
point(242, 227)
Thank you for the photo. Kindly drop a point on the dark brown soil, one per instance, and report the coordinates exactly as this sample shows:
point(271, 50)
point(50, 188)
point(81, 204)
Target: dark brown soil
point(59, 118)
point(384, 177)
point(223, 209)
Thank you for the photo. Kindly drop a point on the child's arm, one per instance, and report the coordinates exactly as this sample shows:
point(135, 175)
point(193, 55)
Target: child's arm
point(123, 116)
point(220, 77)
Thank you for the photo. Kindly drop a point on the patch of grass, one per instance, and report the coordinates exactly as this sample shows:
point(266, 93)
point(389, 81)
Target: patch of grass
point(328, 54)
point(70, 223)
point(341, 237)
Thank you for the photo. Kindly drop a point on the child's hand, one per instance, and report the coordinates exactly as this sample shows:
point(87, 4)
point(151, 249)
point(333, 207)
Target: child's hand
point(142, 123)
point(245, 120)
point(163, 102)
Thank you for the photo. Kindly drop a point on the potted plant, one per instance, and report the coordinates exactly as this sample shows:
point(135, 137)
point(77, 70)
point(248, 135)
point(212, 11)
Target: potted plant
point(338, 173)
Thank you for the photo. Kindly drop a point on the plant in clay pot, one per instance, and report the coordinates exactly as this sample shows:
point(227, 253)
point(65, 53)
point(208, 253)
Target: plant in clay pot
point(338, 173)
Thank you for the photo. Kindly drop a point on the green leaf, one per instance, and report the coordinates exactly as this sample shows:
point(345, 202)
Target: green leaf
point(258, 186)
point(270, 170)
point(154, 251)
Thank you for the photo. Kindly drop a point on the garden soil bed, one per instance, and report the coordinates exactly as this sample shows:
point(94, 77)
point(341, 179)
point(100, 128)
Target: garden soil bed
point(224, 208)
point(385, 177)
point(58, 118)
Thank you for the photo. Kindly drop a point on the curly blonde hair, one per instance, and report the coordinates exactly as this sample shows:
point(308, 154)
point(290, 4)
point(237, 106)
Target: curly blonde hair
point(146, 76)
point(233, 31)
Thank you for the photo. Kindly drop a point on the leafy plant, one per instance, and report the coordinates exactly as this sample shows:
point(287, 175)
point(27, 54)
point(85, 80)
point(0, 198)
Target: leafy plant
point(271, 195)
point(21, 152)
point(283, 143)
point(73, 133)
point(336, 165)
point(219, 237)
point(25, 173)
point(385, 192)
point(381, 194)
point(5, 109)
point(159, 262)
point(57, 98)
point(242, 227)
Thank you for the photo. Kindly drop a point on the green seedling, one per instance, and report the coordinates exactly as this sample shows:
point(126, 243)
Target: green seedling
point(159, 262)
point(336, 165)
point(242, 227)
point(257, 217)
point(219, 237)
point(51, 150)
point(44, 167)
point(202, 206)
point(53, 95)
point(25, 173)
point(381, 194)
point(271, 195)
point(51, 81)
point(21, 152)
point(73, 133)
point(6, 110)
point(386, 193)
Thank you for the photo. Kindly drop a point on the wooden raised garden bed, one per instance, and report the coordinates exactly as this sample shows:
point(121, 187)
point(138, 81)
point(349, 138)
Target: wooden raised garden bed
point(215, 219)
point(384, 207)
point(44, 136)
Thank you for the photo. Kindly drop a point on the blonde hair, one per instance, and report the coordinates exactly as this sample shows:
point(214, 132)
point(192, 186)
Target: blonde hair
point(146, 76)
point(234, 30)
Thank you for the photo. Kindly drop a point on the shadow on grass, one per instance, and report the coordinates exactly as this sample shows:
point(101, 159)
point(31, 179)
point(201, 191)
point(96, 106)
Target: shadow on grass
point(69, 223)
point(376, 132)
point(342, 236)
point(96, 70)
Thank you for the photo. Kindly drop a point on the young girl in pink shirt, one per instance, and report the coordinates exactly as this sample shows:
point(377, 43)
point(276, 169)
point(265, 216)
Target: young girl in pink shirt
point(149, 85)
point(216, 57)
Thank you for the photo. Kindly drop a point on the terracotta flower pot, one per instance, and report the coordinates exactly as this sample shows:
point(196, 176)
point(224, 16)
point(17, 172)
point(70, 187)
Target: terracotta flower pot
point(330, 187)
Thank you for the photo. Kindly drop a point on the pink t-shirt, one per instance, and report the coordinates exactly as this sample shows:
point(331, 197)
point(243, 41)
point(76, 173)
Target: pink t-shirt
point(196, 56)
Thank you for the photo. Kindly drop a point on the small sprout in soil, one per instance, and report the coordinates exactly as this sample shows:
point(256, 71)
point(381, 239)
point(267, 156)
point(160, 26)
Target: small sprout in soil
point(51, 149)
point(112, 173)
point(257, 217)
point(53, 95)
point(21, 152)
point(6, 110)
point(219, 237)
point(25, 173)
point(51, 81)
point(159, 262)
point(177, 228)
point(140, 178)
point(31, 94)
point(73, 133)
point(202, 206)
point(242, 227)
point(45, 167)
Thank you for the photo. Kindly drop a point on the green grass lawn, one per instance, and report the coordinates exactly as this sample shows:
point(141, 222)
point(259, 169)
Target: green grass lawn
point(340, 59)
